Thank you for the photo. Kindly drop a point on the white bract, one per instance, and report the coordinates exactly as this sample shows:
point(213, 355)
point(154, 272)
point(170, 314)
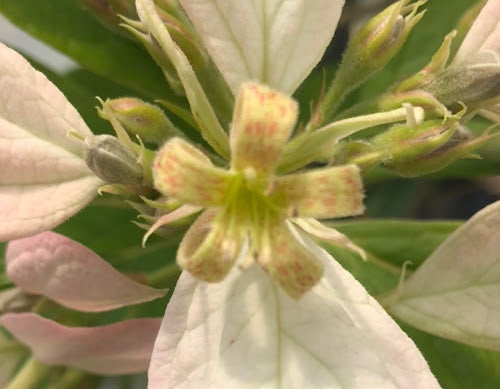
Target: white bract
point(454, 293)
point(43, 179)
point(274, 42)
point(245, 331)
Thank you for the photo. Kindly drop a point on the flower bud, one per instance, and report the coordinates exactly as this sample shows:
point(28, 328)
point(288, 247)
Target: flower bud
point(112, 162)
point(142, 119)
point(378, 41)
point(475, 82)
point(443, 156)
point(402, 142)
point(370, 50)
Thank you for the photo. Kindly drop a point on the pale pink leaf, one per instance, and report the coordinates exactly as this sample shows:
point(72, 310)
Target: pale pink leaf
point(121, 348)
point(455, 292)
point(71, 274)
point(245, 332)
point(43, 179)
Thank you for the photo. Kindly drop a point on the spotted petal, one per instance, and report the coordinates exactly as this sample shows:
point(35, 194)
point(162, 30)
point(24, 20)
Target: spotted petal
point(271, 41)
point(71, 274)
point(323, 193)
point(211, 246)
point(43, 177)
point(121, 348)
point(288, 262)
point(185, 173)
point(262, 123)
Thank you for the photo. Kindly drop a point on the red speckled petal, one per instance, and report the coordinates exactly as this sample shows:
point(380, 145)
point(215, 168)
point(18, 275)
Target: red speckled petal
point(288, 262)
point(323, 193)
point(185, 173)
point(262, 123)
point(210, 246)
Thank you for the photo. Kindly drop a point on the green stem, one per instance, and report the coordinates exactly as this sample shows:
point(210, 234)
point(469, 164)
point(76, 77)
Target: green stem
point(307, 147)
point(29, 376)
point(333, 98)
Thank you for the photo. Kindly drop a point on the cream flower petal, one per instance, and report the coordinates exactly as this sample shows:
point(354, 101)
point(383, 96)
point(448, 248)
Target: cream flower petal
point(210, 246)
point(185, 173)
point(288, 262)
point(262, 123)
point(271, 41)
point(121, 348)
point(43, 176)
point(322, 193)
point(71, 274)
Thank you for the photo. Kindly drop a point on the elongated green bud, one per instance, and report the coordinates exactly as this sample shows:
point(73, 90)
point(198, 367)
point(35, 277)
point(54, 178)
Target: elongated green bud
point(142, 119)
point(443, 156)
point(371, 48)
point(403, 143)
point(475, 82)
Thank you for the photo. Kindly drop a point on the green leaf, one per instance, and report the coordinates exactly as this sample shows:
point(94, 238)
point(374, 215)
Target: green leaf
point(64, 25)
point(396, 241)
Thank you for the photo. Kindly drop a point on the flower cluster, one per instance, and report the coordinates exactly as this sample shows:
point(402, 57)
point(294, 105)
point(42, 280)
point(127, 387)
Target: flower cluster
point(244, 173)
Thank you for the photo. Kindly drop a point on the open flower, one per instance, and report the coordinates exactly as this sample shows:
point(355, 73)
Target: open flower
point(335, 335)
point(249, 201)
point(246, 331)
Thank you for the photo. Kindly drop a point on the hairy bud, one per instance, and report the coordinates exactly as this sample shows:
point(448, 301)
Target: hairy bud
point(112, 162)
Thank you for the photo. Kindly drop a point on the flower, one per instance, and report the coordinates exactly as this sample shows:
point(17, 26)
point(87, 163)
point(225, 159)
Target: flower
point(335, 334)
point(248, 202)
